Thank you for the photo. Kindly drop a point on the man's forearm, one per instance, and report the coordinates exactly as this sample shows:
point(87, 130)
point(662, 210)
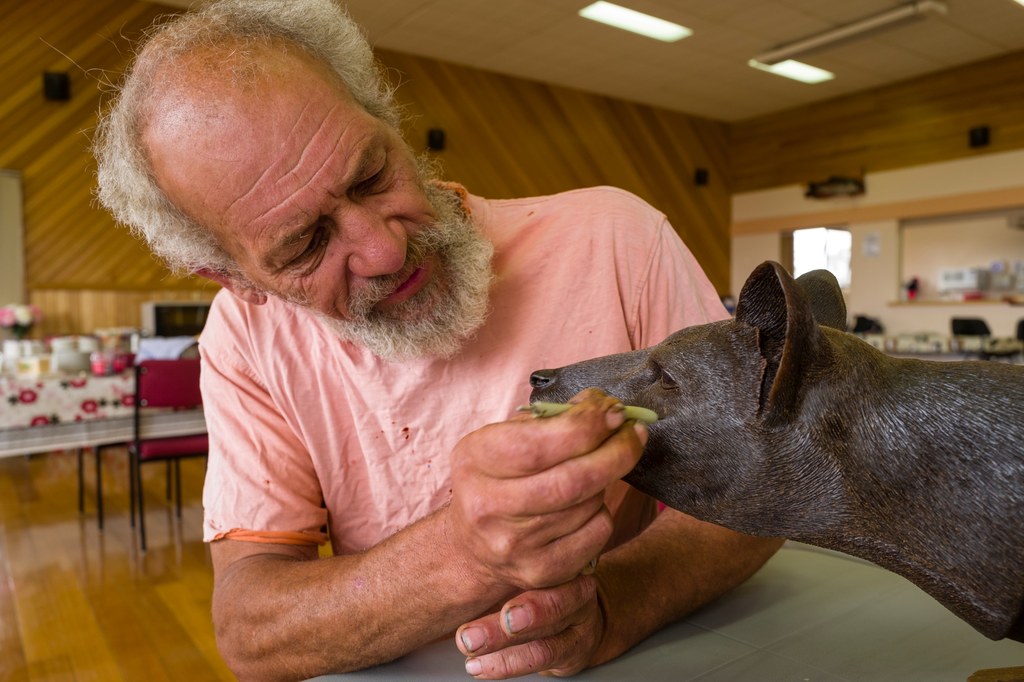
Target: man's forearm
point(282, 617)
point(674, 567)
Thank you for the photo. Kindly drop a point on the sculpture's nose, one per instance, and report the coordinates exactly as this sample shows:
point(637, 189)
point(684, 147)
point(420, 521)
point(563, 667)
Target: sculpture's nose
point(543, 378)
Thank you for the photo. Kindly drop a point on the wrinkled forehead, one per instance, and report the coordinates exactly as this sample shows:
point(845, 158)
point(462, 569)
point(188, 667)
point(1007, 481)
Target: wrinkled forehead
point(234, 78)
point(214, 138)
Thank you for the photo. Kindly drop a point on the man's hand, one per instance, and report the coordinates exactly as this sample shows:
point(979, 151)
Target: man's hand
point(554, 630)
point(528, 494)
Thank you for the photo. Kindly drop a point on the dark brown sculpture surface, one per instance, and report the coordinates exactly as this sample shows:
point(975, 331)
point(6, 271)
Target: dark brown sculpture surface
point(775, 424)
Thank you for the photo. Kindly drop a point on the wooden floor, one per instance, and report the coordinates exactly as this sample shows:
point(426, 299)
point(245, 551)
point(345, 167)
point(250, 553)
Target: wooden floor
point(79, 604)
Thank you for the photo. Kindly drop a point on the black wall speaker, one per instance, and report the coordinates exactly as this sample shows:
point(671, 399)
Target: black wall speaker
point(56, 86)
point(435, 139)
point(700, 177)
point(978, 136)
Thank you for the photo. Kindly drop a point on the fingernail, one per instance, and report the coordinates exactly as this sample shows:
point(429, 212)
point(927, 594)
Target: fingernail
point(616, 415)
point(641, 432)
point(472, 639)
point(474, 667)
point(516, 618)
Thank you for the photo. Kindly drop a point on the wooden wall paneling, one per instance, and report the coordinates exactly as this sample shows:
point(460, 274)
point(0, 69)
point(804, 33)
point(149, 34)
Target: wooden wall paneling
point(82, 311)
point(673, 149)
point(506, 137)
point(918, 121)
point(513, 137)
point(84, 272)
point(69, 241)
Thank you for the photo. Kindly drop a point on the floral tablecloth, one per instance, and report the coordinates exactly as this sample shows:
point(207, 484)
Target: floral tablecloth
point(59, 400)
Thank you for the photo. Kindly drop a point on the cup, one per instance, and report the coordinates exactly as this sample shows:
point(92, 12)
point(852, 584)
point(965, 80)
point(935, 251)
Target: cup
point(63, 343)
point(101, 363)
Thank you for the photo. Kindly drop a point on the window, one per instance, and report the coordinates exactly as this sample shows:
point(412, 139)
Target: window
point(823, 248)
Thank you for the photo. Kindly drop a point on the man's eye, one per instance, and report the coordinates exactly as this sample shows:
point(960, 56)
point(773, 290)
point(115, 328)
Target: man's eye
point(316, 242)
point(371, 185)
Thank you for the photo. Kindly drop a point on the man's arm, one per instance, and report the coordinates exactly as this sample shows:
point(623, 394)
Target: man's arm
point(673, 568)
point(678, 565)
point(280, 613)
point(526, 512)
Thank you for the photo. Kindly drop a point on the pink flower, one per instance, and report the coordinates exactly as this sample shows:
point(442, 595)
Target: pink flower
point(19, 317)
point(40, 421)
point(27, 396)
point(25, 315)
point(89, 406)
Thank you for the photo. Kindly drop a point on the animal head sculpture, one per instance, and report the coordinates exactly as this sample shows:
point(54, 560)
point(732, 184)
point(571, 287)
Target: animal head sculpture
point(779, 423)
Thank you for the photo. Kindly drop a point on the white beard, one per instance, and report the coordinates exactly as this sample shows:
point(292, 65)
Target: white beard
point(437, 320)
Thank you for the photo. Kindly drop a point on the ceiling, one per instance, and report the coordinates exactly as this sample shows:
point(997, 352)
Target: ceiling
point(704, 75)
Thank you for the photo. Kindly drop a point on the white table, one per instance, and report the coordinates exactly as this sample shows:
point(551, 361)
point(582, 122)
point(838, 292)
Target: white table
point(809, 615)
point(84, 434)
point(69, 412)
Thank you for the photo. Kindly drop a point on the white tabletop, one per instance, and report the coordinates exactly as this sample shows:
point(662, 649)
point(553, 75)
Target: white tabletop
point(809, 615)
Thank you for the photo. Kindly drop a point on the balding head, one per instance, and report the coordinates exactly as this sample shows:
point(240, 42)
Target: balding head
point(193, 46)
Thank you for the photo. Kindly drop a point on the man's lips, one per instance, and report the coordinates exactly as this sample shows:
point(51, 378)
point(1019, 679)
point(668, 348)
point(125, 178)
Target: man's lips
point(412, 285)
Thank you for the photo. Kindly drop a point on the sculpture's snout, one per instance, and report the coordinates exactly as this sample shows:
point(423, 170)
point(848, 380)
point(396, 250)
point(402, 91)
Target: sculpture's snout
point(543, 378)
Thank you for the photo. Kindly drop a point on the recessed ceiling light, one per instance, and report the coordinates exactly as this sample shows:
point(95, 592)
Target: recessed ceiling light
point(798, 71)
point(637, 22)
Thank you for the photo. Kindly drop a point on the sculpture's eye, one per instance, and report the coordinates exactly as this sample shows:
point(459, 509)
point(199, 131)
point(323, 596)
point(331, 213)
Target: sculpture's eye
point(666, 380)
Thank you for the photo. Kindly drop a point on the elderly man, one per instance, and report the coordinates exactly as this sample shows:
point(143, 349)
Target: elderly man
point(375, 334)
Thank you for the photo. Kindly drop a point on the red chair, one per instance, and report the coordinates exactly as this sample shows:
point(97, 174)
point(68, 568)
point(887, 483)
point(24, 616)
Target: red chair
point(163, 384)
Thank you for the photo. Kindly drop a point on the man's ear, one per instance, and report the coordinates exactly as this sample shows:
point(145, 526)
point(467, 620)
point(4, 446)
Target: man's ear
point(246, 292)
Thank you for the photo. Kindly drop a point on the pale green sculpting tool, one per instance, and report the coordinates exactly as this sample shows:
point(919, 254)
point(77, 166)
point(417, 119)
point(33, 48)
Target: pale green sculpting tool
point(542, 409)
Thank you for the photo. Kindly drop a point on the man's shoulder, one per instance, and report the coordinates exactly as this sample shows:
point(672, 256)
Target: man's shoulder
point(235, 326)
point(589, 213)
point(590, 199)
point(232, 310)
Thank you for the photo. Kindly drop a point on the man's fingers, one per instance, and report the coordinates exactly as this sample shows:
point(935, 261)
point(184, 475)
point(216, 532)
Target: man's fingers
point(562, 654)
point(530, 615)
point(534, 445)
point(539, 613)
point(579, 478)
point(535, 532)
point(527, 495)
point(570, 482)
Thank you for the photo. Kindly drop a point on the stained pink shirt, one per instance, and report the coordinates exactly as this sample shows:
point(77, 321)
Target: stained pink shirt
point(308, 432)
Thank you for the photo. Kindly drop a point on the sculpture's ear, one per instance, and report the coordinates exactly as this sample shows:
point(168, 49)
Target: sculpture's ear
point(825, 297)
point(788, 337)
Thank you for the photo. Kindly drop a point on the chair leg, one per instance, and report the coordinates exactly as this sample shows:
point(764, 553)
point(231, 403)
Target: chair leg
point(131, 486)
point(99, 487)
point(177, 485)
point(142, 513)
point(81, 481)
point(167, 479)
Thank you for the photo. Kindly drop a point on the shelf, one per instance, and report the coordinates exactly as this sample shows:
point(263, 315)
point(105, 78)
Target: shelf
point(1014, 300)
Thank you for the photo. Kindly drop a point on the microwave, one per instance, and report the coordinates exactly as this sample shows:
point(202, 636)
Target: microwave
point(963, 279)
point(174, 318)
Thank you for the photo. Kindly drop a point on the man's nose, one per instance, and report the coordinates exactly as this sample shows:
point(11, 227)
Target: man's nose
point(377, 245)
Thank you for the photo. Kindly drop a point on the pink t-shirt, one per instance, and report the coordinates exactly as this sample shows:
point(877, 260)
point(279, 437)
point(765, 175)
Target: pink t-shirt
point(308, 432)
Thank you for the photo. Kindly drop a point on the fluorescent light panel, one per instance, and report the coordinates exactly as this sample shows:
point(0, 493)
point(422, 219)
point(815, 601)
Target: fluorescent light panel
point(636, 22)
point(868, 25)
point(798, 71)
